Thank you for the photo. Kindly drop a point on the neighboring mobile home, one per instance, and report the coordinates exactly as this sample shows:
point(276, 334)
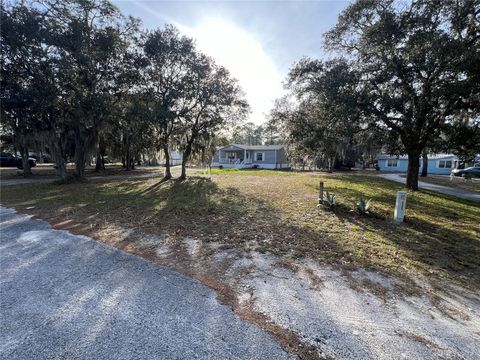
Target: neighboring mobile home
point(251, 156)
point(437, 163)
point(156, 158)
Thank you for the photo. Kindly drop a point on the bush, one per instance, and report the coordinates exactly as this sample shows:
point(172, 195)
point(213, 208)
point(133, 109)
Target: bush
point(330, 200)
point(363, 206)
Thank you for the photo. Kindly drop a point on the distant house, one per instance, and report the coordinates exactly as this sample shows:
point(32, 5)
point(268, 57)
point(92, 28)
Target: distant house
point(251, 156)
point(176, 158)
point(437, 163)
point(157, 158)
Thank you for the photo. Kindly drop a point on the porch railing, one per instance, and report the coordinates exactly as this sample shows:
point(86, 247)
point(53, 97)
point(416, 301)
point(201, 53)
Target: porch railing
point(229, 161)
point(236, 161)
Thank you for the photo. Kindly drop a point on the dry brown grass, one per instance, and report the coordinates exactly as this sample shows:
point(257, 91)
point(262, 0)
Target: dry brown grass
point(276, 212)
point(48, 171)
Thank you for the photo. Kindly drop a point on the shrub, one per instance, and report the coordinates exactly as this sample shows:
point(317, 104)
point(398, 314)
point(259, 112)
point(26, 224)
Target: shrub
point(330, 200)
point(362, 205)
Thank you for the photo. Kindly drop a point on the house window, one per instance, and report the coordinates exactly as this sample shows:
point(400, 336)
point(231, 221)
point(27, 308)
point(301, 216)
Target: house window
point(445, 164)
point(392, 163)
point(258, 156)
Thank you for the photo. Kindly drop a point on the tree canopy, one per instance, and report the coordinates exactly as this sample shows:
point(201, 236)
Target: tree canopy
point(83, 80)
point(407, 72)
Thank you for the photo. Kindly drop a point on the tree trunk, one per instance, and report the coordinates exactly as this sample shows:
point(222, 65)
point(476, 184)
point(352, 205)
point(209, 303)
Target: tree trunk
point(331, 162)
point(25, 164)
point(186, 156)
point(98, 163)
point(424, 165)
point(60, 165)
point(61, 170)
point(413, 167)
point(128, 156)
point(128, 161)
point(168, 174)
point(57, 151)
point(183, 175)
point(79, 155)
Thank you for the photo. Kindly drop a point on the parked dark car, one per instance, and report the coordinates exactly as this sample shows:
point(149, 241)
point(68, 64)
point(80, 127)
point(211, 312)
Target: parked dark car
point(473, 171)
point(45, 158)
point(8, 160)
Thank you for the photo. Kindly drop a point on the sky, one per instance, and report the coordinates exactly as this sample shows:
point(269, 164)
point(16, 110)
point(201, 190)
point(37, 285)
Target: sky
point(257, 41)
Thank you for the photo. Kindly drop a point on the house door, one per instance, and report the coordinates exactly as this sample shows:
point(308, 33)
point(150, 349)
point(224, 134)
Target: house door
point(231, 155)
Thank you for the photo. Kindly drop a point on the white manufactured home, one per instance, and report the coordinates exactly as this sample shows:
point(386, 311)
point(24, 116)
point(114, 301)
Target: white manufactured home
point(251, 156)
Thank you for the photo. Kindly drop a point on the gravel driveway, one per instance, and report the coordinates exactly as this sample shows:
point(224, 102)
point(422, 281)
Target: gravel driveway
point(70, 297)
point(460, 193)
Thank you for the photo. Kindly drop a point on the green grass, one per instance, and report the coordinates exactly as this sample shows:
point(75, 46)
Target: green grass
point(216, 171)
point(276, 211)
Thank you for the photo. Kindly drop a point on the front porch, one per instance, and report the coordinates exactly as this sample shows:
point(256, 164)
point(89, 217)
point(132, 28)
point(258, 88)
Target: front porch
point(235, 158)
point(234, 165)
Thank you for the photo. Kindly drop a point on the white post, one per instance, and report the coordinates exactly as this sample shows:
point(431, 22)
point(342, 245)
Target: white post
point(400, 206)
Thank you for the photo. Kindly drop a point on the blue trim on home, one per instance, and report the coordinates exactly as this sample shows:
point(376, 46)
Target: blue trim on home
point(402, 165)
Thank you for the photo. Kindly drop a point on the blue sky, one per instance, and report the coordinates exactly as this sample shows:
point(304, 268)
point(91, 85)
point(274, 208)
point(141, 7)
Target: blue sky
point(257, 41)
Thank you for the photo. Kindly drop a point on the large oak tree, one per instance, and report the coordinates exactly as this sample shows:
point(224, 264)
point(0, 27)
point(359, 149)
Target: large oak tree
point(420, 62)
point(168, 78)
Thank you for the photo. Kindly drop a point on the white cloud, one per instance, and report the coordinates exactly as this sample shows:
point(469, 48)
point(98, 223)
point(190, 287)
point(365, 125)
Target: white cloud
point(243, 55)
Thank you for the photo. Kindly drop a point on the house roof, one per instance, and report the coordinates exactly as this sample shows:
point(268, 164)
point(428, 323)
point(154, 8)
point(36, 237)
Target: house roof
point(256, 147)
point(259, 147)
point(405, 157)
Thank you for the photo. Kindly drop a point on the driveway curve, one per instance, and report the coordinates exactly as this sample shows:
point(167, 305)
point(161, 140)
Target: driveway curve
point(69, 297)
point(460, 193)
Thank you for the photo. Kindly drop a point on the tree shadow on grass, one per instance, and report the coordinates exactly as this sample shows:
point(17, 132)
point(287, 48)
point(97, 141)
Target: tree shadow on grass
point(434, 247)
point(156, 185)
point(438, 236)
point(199, 208)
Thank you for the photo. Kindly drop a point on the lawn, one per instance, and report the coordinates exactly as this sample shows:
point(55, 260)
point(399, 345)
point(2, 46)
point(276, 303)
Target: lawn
point(276, 212)
point(47, 170)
